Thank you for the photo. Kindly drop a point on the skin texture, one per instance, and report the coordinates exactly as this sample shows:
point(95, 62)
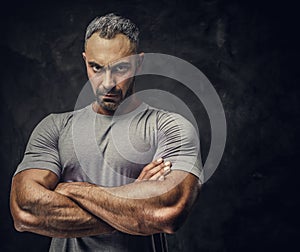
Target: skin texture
point(147, 207)
point(37, 208)
point(159, 200)
point(110, 68)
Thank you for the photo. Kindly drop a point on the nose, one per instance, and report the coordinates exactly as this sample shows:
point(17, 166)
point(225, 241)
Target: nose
point(108, 80)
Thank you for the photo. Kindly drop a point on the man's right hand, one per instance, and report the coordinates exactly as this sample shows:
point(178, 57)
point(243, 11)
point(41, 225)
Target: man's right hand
point(156, 170)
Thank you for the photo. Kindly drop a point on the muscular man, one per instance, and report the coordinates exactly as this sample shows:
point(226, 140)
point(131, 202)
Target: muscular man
point(88, 178)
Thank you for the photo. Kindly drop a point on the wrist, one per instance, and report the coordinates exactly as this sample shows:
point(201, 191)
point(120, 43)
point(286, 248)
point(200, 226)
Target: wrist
point(70, 189)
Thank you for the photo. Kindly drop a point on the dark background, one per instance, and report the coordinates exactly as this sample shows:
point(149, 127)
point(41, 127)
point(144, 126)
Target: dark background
point(248, 50)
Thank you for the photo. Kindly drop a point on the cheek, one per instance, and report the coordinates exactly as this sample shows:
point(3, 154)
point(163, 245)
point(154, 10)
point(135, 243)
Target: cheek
point(90, 74)
point(94, 79)
point(124, 81)
point(125, 85)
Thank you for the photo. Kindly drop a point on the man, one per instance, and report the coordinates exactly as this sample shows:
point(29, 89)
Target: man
point(112, 197)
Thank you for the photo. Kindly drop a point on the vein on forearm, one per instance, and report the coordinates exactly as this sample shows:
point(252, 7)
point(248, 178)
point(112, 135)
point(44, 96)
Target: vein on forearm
point(46, 212)
point(137, 208)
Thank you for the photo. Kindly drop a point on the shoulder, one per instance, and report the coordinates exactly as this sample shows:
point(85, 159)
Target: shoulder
point(61, 120)
point(167, 119)
point(54, 120)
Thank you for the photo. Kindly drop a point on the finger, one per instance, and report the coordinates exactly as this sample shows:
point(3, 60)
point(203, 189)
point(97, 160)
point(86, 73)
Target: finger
point(153, 164)
point(160, 175)
point(154, 171)
point(161, 178)
point(148, 167)
point(162, 172)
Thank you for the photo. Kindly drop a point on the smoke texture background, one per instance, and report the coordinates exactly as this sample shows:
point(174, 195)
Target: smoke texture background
point(247, 49)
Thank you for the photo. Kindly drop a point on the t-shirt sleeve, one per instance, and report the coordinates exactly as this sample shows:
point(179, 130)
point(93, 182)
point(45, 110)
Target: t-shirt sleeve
point(42, 148)
point(179, 143)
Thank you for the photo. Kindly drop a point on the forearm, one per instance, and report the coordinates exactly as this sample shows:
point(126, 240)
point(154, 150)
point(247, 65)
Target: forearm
point(126, 215)
point(139, 208)
point(51, 214)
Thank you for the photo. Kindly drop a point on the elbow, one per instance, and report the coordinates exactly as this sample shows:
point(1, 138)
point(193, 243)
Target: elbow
point(173, 225)
point(171, 228)
point(23, 220)
point(170, 220)
point(19, 222)
point(19, 225)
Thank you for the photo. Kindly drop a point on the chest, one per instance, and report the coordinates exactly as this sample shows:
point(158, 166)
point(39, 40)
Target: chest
point(106, 152)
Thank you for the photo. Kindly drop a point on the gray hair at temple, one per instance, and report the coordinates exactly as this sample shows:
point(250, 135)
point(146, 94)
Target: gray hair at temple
point(110, 25)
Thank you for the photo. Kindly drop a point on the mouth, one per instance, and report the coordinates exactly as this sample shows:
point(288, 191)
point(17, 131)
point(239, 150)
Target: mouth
point(111, 97)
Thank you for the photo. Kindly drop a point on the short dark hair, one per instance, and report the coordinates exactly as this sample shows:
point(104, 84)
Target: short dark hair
point(109, 25)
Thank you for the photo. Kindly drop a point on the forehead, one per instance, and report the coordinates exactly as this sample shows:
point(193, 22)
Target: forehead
point(105, 51)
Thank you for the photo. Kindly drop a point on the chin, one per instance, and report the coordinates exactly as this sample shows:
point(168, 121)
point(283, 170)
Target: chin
point(110, 106)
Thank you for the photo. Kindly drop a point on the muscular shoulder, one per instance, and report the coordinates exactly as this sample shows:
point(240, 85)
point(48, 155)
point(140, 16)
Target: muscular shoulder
point(170, 120)
point(59, 121)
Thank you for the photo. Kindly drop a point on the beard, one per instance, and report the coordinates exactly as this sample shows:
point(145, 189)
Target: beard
point(112, 103)
point(108, 105)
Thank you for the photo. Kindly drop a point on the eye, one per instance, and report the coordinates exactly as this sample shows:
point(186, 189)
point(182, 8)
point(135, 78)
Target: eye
point(97, 68)
point(122, 68)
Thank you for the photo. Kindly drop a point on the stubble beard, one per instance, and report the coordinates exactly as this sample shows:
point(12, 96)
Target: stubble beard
point(107, 105)
point(112, 106)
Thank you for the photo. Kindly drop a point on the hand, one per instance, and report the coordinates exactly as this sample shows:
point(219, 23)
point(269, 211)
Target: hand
point(156, 170)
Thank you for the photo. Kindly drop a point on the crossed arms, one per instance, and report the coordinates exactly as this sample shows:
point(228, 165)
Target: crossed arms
point(40, 204)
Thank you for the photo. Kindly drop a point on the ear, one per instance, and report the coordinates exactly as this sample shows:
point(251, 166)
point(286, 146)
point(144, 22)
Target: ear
point(84, 56)
point(140, 59)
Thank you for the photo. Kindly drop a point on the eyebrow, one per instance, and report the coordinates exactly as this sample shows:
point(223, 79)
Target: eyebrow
point(114, 64)
point(93, 63)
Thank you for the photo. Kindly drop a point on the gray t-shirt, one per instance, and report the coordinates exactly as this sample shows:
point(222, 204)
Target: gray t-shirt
point(111, 151)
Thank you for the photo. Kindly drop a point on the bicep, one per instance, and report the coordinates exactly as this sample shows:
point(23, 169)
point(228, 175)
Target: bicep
point(42, 177)
point(179, 143)
point(42, 148)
